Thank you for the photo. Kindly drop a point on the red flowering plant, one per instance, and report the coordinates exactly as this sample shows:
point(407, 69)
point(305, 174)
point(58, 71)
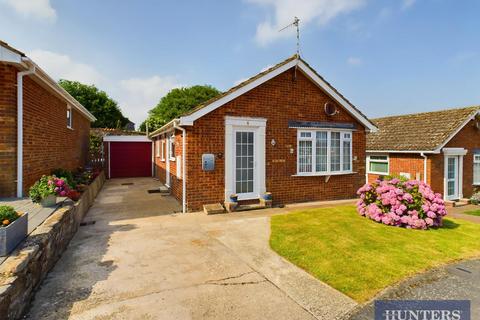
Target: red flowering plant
point(48, 185)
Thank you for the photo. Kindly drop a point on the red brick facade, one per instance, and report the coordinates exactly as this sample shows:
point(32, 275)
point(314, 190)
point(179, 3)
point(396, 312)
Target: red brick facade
point(278, 100)
point(48, 143)
point(467, 138)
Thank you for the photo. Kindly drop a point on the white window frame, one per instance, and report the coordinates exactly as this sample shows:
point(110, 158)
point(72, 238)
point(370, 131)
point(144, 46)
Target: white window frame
point(476, 161)
point(69, 117)
point(162, 149)
point(171, 155)
point(157, 147)
point(313, 139)
point(387, 161)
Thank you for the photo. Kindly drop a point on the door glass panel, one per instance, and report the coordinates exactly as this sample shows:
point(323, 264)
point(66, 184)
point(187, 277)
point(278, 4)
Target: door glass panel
point(244, 159)
point(451, 168)
point(451, 188)
point(451, 176)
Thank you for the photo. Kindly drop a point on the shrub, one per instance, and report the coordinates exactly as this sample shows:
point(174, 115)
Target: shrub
point(409, 204)
point(74, 195)
point(65, 174)
point(475, 199)
point(8, 215)
point(48, 185)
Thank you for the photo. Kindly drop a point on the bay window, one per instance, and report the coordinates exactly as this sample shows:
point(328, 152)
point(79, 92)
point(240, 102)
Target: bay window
point(378, 164)
point(324, 152)
point(476, 169)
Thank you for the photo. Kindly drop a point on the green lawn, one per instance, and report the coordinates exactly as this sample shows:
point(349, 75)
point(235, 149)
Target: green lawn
point(360, 257)
point(473, 212)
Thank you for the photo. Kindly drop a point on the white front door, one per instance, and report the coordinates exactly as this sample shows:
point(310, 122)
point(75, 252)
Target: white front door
point(245, 172)
point(244, 157)
point(451, 178)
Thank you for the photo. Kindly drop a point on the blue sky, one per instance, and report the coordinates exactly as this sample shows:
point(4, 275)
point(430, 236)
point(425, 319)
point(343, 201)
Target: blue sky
point(387, 57)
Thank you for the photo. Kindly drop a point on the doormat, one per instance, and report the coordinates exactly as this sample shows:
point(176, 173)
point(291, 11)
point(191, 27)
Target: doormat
point(127, 183)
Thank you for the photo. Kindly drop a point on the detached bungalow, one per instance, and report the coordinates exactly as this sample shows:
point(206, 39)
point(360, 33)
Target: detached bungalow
point(42, 127)
point(441, 148)
point(286, 131)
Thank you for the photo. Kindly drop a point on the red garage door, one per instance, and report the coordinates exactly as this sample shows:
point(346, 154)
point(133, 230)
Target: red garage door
point(130, 159)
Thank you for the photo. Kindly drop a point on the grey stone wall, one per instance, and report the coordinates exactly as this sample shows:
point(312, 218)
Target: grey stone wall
point(22, 273)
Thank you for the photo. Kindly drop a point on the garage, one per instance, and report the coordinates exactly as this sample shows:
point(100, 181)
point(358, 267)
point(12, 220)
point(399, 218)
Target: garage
point(128, 156)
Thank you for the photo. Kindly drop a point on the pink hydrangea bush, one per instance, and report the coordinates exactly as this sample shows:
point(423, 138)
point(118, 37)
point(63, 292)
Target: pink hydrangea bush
point(408, 204)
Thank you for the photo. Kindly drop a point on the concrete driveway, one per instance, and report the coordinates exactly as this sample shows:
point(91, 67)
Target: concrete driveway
point(141, 261)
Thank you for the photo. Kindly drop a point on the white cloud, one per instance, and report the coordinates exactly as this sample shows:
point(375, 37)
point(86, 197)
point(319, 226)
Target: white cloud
point(407, 4)
point(320, 11)
point(61, 66)
point(39, 9)
point(138, 95)
point(354, 61)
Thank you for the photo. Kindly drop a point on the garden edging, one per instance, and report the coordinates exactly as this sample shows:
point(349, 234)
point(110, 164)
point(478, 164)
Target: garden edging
point(22, 273)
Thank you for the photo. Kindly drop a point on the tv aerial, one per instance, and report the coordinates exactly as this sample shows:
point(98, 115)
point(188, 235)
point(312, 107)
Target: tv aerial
point(295, 24)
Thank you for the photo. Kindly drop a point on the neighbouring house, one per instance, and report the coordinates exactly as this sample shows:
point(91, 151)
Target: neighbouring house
point(441, 148)
point(286, 131)
point(42, 127)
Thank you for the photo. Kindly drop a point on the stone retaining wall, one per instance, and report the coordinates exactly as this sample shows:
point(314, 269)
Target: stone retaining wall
point(22, 273)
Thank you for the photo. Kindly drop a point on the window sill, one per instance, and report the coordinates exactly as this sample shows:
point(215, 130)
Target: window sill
point(172, 159)
point(163, 160)
point(378, 173)
point(323, 174)
point(70, 128)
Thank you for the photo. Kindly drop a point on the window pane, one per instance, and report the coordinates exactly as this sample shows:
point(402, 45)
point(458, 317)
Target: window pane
point(380, 167)
point(305, 134)
point(305, 156)
point(335, 151)
point(476, 173)
point(347, 157)
point(244, 162)
point(321, 150)
point(451, 168)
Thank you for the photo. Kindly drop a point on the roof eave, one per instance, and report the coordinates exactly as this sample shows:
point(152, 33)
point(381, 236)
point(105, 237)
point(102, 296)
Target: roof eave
point(166, 127)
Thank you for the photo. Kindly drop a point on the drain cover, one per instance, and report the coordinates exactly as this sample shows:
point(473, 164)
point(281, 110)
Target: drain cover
point(127, 183)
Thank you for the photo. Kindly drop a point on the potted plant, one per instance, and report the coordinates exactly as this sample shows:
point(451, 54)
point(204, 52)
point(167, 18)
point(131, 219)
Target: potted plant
point(13, 228)
point(234, 198)
point(46, 190)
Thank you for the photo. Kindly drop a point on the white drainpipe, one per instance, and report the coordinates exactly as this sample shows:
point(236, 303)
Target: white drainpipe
point(184, 174)
point(20, 129)
point(424, 166)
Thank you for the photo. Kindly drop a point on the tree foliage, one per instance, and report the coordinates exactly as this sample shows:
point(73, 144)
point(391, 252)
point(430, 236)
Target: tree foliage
point(104, 108)
point(177, 102)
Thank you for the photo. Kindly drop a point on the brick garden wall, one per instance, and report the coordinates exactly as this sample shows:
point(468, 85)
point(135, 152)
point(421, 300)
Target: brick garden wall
point(278, 100)
point(48, 143)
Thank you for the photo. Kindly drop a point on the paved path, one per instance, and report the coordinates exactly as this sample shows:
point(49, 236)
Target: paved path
point(459, 281)
point(140, 261)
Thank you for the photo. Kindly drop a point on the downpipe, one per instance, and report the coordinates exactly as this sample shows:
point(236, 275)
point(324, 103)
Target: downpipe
point(184, 173)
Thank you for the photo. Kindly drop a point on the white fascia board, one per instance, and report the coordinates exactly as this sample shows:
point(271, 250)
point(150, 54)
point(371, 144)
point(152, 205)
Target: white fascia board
point(9, 56)
point(330, 91)
point(169, 126)
point(402, 151)
point(126, 139)
point(188, 120)
point(438, 150)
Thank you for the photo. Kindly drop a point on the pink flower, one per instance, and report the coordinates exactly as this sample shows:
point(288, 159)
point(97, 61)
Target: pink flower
point(63, 193)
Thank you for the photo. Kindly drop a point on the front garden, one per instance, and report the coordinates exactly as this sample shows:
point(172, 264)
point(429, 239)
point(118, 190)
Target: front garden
point(359, 257)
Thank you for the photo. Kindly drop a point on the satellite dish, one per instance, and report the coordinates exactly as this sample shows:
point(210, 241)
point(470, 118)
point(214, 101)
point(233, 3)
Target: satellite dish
point(330, 109)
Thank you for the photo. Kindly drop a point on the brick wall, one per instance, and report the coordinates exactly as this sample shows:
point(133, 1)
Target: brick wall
point(278, 100)
point(405, 163)
point(468, 138)
point(8, 130)
point(48, 143)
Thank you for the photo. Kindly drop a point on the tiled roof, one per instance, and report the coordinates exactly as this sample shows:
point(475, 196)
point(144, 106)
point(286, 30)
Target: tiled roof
point(425, 131)
point(115, 132)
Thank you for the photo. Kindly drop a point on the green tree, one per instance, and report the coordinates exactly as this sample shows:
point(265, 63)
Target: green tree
point(104, 108)
point(177, 102)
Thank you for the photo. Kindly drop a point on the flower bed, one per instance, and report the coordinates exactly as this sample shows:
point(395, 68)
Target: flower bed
point(408, 204)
